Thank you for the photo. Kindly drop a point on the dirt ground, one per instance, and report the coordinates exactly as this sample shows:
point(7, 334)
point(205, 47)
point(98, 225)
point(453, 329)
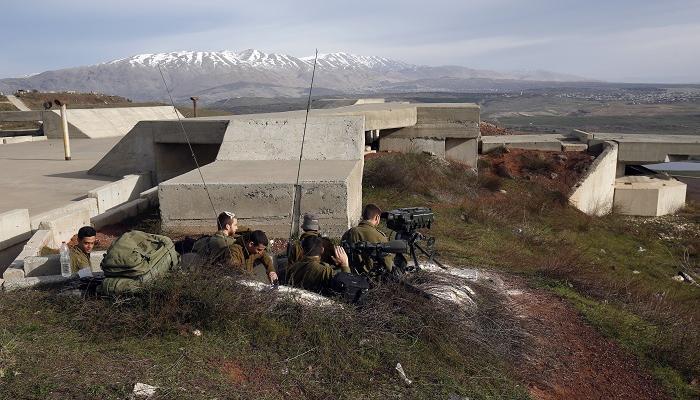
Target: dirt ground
point(555, 170)
point(569, 359)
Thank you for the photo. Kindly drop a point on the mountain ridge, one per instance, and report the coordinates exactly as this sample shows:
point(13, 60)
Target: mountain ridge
point(276, 74)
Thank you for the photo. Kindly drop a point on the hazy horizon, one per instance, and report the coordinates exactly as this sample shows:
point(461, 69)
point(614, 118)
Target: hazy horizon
point(629, 41)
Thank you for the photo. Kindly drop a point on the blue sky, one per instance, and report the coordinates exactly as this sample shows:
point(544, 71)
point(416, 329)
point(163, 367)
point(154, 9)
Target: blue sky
point(634, 41)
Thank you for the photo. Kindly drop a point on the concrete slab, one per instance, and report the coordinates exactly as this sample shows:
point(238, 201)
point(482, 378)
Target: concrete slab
point(121, 212)
point(63, 227)
point(15, 227)
point(36, 176)
point(117, 193)
point(646, 148)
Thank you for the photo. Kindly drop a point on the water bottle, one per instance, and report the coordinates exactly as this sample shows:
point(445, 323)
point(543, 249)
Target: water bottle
point(65, 260)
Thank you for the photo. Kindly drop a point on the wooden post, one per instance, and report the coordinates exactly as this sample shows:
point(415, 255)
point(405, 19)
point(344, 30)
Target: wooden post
point(66, 138)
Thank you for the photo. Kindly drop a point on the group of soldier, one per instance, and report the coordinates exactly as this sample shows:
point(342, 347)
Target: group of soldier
point(312, 260)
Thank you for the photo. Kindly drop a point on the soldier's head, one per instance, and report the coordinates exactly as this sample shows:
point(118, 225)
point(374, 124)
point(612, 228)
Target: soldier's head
point(310, 223)
point(256, 242)
point(227, 222)
point(312, 246)
point(372, 214)
point(87, 236)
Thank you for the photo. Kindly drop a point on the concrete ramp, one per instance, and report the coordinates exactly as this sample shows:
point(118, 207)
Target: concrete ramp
point(94, 123)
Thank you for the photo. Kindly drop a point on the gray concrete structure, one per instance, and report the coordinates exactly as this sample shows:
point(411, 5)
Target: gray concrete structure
point(648, 196)
point(255, 172)
point(250, 160)
point(92, 123)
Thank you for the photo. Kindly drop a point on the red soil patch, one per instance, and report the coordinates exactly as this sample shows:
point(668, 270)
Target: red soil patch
point(552, 169)
point(569, 359)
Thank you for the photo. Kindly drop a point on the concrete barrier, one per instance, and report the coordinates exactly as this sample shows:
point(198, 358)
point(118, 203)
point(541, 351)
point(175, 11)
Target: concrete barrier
point(151, 195)
point(89, 204)
point(65, 226)
point(594, 193)
point(121, 191)
point(24, 283)
point(39, 266)
point(120, 213)
point(40, 239)
point(15, 227)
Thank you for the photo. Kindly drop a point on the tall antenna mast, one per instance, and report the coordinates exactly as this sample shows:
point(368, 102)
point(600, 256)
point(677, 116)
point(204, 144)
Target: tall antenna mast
point(296, 206)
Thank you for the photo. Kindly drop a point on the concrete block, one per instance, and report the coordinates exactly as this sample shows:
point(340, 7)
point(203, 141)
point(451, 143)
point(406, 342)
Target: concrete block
point(261, 195)
point(462, 150)
point(15, 227)
point(648, 196)
point(151, 195)
point(12, 273)
point(16, 139)
point(120, 213)
point(327, 138)
point(435, 147)
point(582, 135)
point(89, 204)
point(43, 281)
point(42, 265)
point(64, 227)
point(121, 191)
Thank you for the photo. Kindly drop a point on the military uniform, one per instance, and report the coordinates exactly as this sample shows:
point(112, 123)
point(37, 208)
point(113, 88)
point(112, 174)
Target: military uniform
point(78, 259)
point(246, 262)
point(215, 248)
point(312, 274)
point(295, 253)
point(366, 232)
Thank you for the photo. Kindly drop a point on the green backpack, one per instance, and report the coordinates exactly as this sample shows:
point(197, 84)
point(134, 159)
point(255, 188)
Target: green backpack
point(136, 258)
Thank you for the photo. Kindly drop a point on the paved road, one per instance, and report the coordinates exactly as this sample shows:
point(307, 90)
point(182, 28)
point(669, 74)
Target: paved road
point(18, 103)
point(34, 175)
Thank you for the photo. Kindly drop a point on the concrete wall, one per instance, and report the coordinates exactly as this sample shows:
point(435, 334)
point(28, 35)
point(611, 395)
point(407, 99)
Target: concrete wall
point(137, 152)
point(15, 227)
point(435, 147)
point(89, 205)
point(119, 192)
point(594, 193)
point(106, 122)
point(327, 138)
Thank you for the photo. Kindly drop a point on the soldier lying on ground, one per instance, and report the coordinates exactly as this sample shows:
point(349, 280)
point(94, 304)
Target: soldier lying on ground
point(311, 273)
point(311, 227)
point(367, 231)
point(80, 253)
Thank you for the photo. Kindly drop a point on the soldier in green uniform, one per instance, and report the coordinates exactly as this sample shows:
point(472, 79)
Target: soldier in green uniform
point(367, 231)
point(80, 253)
point(311, 227)
point(216, 249)
point(249, 252)
point(313, 274)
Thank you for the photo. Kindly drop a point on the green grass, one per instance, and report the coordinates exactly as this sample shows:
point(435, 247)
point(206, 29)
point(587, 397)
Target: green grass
point(252, 347)
point(635, 334)
point(530, 231)
point(679, 124)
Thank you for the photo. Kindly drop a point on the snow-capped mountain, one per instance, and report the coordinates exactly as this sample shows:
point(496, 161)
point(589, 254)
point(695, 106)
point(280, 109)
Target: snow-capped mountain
point(215, 75)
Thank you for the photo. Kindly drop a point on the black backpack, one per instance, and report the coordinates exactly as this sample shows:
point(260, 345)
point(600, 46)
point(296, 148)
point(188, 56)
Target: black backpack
point(351, 287)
